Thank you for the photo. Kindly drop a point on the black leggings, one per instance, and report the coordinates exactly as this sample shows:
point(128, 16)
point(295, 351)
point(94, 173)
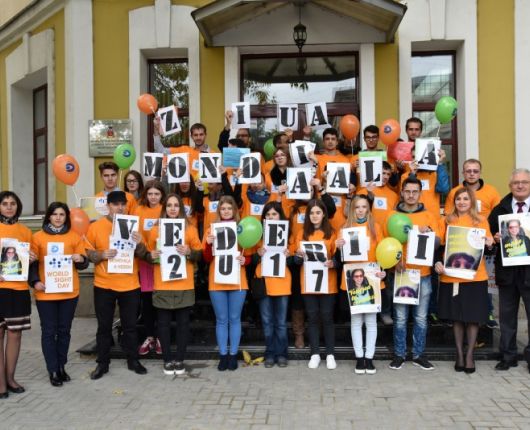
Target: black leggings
point(182, 319)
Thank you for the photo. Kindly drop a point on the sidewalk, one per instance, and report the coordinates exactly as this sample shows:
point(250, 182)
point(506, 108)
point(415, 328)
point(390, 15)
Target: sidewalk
point(259, 398)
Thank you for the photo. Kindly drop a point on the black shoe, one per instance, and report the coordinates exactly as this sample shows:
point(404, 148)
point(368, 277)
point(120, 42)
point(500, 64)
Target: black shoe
point(65, 377)
point(469, 369)
point(17, 390)
point(459, 368)
point(360, 367)
point(223, 363)
point(55, 379)
point(232, 362)
point(99, 371)
point(423, 363)
point(136, 367)
point(370, 368)
point(269, 362)
point(282, 362)
point(397, 363)
point(4, 395)
point(505, 365)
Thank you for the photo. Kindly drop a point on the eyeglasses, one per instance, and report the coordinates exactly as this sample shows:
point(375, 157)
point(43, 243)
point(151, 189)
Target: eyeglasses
point(475, 171)
point(518, 183)
point(131, 181)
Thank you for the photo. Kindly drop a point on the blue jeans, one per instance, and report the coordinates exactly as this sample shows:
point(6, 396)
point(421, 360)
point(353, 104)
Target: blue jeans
point(419, 331)
point(273, 311)
point(227, 306)
point(56, 320)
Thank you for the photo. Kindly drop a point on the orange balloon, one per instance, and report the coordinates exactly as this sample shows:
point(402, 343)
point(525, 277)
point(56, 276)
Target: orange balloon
point(79, 220)
point(66, 169)
point(389, 131)
point(147, 104)
point(349, 126)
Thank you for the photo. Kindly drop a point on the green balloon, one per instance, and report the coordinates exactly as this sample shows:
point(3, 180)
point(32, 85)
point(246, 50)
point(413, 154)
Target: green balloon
point(268, 149)
point(398, 226)
point(249, 231)
point(445, 109)
point(124, 155)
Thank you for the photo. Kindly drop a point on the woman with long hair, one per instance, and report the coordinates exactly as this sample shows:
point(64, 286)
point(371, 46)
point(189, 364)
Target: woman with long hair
point(462, 301)
point(15, 302)
point(56, 310)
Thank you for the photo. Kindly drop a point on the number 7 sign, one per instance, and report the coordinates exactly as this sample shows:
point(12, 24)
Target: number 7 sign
point(316, 277)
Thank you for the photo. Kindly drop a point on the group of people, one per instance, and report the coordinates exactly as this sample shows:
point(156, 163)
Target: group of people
point(406, 189)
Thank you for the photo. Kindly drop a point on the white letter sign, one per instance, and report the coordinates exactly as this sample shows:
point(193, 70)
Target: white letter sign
point(420, 247)
point(250, 167)
point(153, 164)
point(298, 180)
point(241, 118)
point(169, 120)
point(178, 168)
point(288, 116)
point(338, 178)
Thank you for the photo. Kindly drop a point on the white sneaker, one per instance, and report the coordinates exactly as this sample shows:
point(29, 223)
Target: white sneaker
point(330, 362)
point(314, 362)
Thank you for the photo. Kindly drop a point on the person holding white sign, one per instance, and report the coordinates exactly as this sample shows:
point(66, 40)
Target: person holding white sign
point(15, 301)
point(112, 288)
point(276, 178)
point(319, 299)
point(465, 303)
point(148, 209)
point(273, 307)
point(192, 199)
point(174, 299)
point(330, 153)
point(224, 136)
point(360, 215)
point(56, 309)
point(227, 299)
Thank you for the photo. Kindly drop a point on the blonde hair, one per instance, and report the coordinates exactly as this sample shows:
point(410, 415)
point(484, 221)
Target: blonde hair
point(475, 217)
point(230, 200)
point(352, 221)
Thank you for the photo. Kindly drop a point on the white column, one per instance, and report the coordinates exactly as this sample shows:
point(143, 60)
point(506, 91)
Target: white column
point(367, 84)
point(522, 84)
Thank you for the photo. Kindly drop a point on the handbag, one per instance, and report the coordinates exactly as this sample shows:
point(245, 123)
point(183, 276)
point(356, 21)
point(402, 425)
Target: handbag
point(258, 288)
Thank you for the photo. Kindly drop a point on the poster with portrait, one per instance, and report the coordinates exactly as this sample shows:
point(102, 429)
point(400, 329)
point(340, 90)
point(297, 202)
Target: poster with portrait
point(316, 274)
point(363, 287)
point(298, 183)
point(58, 274)
point(407, 287)
point(515, 242)
point(357, 244)
point(426, 153)
point(275, 242)
point(464, 248)
point(14, 260)
point(338, 178)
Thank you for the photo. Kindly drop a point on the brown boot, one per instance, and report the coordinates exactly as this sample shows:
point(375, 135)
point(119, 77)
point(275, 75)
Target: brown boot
point(298, 328)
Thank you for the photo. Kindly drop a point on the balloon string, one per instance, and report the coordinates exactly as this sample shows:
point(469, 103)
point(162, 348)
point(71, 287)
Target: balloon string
point(438, 132)
point(76, 197)
point(119, 180)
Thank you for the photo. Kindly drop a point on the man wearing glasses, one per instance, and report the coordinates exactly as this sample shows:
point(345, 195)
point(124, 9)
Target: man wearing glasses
point(243, 133)
point(513, 281)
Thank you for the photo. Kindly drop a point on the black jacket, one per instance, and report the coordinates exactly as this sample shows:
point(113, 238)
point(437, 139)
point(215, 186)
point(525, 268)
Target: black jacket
point(506, 275)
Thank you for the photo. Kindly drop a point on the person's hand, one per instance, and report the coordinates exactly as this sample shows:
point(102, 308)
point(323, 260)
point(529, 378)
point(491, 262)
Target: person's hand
point(209, 239)
point(228, 117)
point(157, 126)
point(184, 250)
point(439, 268)
point(400, 266)
point(311, 155)
point(289, 133)
point(356, 164)
point(442, 155)
point(370, 187)
point(329, 264)
point(222, 169)
point(108, 254)
point(32, 256)
point(339, 243)
point(261, 252)
point(307, 131)
point(239, 172)
point(497, 237)
point(414, 167)
point(315, 182)
point(241, 260)
point(300, 253)
point(351, 189)
point(39, 286)
point(282, 189)
point(400, 165)
point(77, 258)
point(136, 237)
point(381, 274)
point(489, 242)
point(156, 253)
point(286, 252)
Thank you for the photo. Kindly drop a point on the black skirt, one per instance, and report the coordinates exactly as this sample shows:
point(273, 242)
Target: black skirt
point(15, 309)
point(470, 305)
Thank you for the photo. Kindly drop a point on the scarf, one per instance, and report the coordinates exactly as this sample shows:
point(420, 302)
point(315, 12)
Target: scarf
point(50, 229)
point(8, 221)
point(258, 197)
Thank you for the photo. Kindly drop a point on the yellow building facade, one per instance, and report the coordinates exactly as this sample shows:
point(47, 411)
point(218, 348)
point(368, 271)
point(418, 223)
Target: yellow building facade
point(92, 58)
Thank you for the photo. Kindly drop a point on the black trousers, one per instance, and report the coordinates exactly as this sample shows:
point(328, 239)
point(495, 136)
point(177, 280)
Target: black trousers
point(148, 313)
point(509, 299)
point(319, 309)
point(105, 304)
point(182, 319)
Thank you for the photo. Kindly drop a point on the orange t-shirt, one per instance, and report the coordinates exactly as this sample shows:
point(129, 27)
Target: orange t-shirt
point(466, 221)
point(148, 219)
point(210, 212)
point(324, 159)
point(98, 237)
point(131, 202)
point(267, 167)
point(296, 225)
point(73, 244)
point(385, 201)
point(22, 234)
point(191, 239)
point(421, 219)
point(212, 285)
point(339, 218)
point(287, 204)
point(275, 286)
point(318, 236)
point(371, 250)
point(487, 198)
point(193, 156)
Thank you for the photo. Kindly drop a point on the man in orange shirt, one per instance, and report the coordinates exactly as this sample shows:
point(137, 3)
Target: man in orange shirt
point(112, 288)
point(109, 175)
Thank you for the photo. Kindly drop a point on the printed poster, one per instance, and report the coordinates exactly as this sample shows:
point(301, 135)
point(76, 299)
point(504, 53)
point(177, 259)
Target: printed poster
point(58, 274)
point(407, 287)
point(14, 260)
point(363, 287)
point(515, 244)
point(464, 247)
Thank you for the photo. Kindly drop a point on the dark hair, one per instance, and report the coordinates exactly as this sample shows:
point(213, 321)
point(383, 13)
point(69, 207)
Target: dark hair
point(285, 149)
point(406, 292)
point(277, 206)
point(473, 263)
point(182, 209)
point(416, 120)
point(6, 194)
point(148, 185)
point(4, 255)
point(365, 282)
point(197, 126)
point(371, 129)
point(309, 228)
point(386, 165)
point(108, 165)
point(51, 209)
point(277, 138)
point(330, 130)
point(191, 193)
point(138, 177)
point(411, 180)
